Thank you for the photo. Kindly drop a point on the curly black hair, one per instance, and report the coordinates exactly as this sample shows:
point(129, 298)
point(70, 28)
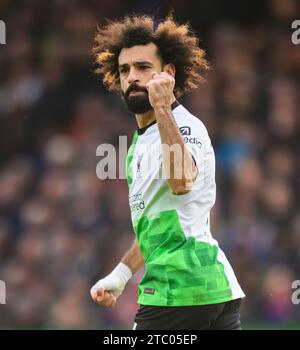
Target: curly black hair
point(177, 44)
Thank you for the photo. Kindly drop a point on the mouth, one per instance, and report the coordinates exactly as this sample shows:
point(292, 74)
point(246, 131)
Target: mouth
point(136, 93)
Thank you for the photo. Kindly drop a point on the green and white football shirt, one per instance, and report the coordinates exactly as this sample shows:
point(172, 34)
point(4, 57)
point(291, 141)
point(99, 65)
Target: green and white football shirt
point(183, 263)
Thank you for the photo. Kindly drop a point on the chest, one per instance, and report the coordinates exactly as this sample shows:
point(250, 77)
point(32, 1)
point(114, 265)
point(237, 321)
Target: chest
point(146, 164)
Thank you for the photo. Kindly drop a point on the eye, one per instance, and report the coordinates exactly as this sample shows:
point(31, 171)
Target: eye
point(123, 70)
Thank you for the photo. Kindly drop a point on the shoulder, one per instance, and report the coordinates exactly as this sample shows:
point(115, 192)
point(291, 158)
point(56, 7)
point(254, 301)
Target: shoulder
point(189, 124)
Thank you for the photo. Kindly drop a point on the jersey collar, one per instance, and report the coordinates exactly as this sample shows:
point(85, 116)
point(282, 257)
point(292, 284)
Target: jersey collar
point(141, 131)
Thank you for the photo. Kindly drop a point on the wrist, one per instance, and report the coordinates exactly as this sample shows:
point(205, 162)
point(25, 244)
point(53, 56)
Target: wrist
point(123, 272)
point(162, 108)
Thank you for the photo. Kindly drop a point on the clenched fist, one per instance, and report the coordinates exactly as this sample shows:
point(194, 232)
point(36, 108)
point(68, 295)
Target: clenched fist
point(106, 291)
point(160, 90)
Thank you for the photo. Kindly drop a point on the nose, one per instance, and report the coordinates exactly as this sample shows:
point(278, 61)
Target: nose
point(132, 76)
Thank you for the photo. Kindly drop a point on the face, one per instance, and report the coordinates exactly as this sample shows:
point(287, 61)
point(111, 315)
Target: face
point(136, 66)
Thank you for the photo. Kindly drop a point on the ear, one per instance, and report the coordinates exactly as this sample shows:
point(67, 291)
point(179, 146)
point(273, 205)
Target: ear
point(170, 69)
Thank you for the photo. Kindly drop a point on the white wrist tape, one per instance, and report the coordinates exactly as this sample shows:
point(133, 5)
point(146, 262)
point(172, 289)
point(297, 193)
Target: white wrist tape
point(115, 281)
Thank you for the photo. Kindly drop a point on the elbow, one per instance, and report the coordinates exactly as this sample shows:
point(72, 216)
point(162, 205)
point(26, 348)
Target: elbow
point(179, 191)
point(183, 187)
point(185, 184)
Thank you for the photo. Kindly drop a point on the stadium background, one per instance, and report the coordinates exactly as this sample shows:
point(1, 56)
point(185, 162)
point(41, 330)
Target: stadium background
point(61, 228)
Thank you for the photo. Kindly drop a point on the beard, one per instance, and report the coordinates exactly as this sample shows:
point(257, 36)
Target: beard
point(137, 104)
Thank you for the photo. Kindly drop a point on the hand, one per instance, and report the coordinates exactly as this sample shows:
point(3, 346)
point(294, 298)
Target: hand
point(103, 297)
point(160, 90)
point(106, 291)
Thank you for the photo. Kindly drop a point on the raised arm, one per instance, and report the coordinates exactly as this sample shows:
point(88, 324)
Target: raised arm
point(178, 163)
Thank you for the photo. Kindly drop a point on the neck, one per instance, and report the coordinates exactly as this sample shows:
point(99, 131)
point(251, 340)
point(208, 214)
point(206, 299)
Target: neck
point(147, 118)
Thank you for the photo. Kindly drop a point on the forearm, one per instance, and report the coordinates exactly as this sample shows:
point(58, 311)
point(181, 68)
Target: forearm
point(178, 164)
point(133, 258)
point(107, 290)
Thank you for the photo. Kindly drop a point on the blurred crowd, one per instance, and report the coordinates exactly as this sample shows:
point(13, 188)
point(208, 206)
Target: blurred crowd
point(62, 228)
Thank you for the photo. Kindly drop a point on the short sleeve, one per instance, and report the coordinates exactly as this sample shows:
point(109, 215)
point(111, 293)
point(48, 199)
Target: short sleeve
point(195, 137)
